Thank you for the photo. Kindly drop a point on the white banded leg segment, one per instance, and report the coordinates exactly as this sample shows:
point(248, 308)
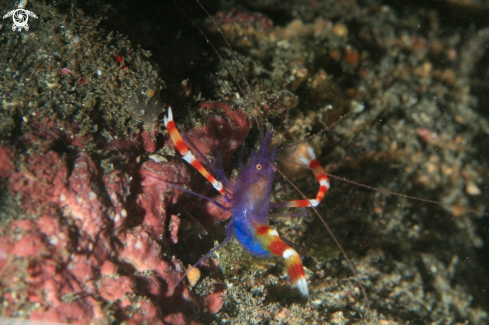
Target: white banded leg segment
point(318, 171)
point(271, 241)
point(187, 155)
point(295, 270)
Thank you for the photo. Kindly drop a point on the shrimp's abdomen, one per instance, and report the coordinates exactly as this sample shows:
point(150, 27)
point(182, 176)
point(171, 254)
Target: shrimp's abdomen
point(245, 233)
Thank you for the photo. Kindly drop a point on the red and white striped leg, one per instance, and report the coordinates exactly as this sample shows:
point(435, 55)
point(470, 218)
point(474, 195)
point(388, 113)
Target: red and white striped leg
point(270, 241)
point(320, 175)
point(187, 155)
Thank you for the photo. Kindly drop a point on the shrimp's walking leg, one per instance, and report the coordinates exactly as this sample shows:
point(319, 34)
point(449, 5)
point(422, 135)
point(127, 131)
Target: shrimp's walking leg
point(320, 175)
point(187, 155)
point(270, 241)
point(206, 256)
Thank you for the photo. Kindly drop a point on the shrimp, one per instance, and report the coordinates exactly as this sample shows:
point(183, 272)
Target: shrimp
point(249, 202)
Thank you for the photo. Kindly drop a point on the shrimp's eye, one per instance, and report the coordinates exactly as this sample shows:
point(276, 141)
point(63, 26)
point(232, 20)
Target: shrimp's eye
point(258, 166)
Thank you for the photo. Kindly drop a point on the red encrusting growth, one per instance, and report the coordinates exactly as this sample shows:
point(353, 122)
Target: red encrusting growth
point(98, 236)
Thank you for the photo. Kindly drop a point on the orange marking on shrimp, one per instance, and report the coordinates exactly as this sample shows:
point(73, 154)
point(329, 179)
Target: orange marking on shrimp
point(187, 155)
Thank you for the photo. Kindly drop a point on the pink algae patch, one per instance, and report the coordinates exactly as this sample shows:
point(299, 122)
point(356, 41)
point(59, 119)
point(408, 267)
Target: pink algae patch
point(30, 245)
point(96, 240)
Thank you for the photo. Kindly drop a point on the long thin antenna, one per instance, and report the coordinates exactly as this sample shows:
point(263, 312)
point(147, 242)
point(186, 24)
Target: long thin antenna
point(250, 92)
point(315, 134)
point(404, 195)
point(259, 122)
point(376, 189)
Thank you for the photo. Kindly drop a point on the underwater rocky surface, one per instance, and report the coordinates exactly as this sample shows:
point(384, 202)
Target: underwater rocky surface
point(91, 232)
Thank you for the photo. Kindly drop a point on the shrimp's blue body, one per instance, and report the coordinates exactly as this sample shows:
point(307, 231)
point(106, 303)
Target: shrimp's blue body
point(250, 201)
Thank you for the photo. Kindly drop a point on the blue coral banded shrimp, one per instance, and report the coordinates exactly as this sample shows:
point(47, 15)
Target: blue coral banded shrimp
point(248, 198)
